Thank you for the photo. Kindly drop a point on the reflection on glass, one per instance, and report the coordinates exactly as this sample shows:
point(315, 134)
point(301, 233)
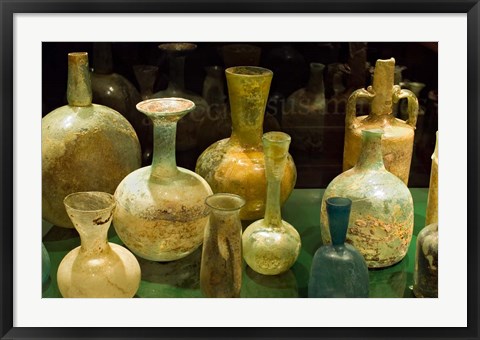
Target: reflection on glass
point(173, 279)
point(256, 285)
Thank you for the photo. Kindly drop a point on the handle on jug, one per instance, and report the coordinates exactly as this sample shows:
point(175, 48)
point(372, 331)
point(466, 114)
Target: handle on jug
point(351, 116)
point(399, 93)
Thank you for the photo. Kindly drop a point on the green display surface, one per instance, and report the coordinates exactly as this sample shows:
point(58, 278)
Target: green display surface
point(180, 278)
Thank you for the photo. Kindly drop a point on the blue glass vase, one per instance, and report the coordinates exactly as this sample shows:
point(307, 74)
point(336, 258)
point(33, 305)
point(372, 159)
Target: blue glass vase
point(338, 270)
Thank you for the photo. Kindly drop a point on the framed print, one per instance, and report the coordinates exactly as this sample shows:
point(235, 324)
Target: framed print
point(174, 86)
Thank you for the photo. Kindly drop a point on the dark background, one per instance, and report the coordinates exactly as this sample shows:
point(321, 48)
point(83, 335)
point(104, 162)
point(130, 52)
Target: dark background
point(290, 64)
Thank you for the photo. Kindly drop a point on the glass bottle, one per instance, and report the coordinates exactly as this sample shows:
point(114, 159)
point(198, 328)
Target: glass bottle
point(46, 264)
point(381, 222)
point(338, 270)
point(432, 200)
point(187, 129)
point(221, 268)
point(237, 164)
point(160, 213)
point(216, 124)
point(398, 134)
point(85, 146)
point(271, 245)
point(146, 76)
point(425, 275)
point(304, 113)
point(114, 90)
point(96, 268)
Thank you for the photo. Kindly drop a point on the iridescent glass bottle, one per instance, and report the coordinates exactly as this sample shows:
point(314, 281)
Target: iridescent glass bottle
point(221, 268)
point(381, 222)
point(271, 245)
point(397, 145)
point(237, 164)
point(338, 270)
point(161, 214)
point(97, 268)
point(85, 146)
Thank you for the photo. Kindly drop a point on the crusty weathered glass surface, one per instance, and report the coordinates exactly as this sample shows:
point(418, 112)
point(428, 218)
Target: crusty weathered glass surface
point(237, 164)
point(160, 213)
point(85, 146)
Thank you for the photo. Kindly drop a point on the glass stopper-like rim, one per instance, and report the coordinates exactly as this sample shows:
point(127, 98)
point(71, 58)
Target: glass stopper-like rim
point(276, 137)
point(165, 106)
point(249, 71)
point(89, 201)
point(225, 201)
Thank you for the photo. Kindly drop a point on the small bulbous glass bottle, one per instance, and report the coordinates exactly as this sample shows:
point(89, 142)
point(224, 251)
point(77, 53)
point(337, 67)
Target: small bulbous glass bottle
point(85, 146)
point(161, 214)
point(221, 268)
point(237, 164)
point(425, 275)
point(97, 268)
point(381, 222)
point(338, 270)
point(271, 245)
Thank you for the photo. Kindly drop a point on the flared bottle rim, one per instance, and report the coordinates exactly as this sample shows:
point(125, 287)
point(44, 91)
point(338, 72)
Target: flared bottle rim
point(225, 201)
point(171, 106)
point(177, 47)
point(249, 71)
point(89, 201)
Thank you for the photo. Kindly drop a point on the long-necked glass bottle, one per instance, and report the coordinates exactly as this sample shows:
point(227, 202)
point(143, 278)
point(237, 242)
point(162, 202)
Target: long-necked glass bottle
point(271, 245)
point(85, 146)
point(237, 164)
point(338, 270)
point(221, 269)
point(160, 213)
point(381, 222)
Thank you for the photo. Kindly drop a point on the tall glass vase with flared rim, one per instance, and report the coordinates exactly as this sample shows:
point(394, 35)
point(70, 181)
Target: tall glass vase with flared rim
point(237, 164)
point(222, 247)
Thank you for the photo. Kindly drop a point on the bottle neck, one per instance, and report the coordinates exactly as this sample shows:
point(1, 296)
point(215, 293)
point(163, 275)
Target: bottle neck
point(176, 73)
point(79, 87)
point(315, 82)
point(273, 214)
point(224, 222)
point(94, 242)
point(102, 58)
point(371, 156)
point(164, 135)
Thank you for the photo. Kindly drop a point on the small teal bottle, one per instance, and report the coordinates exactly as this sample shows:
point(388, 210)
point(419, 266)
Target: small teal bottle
point(338, 270)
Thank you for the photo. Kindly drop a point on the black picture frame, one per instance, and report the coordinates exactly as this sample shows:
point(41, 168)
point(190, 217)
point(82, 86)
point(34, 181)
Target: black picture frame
point(9, 7)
